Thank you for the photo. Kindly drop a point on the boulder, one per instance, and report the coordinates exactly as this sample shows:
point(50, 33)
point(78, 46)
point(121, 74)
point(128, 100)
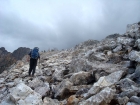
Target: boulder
point(134, 56)
point(125, 41)
point(132, 28)
point(79, 90)
point(24, 95)
point(79, 64)
point(132, 103)
point(104, 81)
point(118, 48)
point(72, 100)
point(128, 93)
point(136, 77)
point(2, 80)
point(126, 84)
point(135, 99)
point(49, 101)
point(122, 100)
point(43, 90)
point(35, 83)
point(38, 72)
point(137, 43)
point(97, 57)
point(7, 101)
point(102, 98)
point(58, 74)
point(82, 78)
point(63, 89)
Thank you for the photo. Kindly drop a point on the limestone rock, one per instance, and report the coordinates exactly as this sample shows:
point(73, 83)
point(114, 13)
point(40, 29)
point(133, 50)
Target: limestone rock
point(24, 95)
point(126, 84)
point(82, 78)
point(118, 48)
point(2, 80)
point(123, 100)
point(135, 99)
point(62, 90)
point(125, 40)
point(105, 81)
point(96, 57)
point(104, 97)
point(7, 101)
point(42, 90)
point(131, 103)
point(134, 56)
point(35, 83)
point(137, 43)
point(72, 100)
point(77, 65)
point(49, 101)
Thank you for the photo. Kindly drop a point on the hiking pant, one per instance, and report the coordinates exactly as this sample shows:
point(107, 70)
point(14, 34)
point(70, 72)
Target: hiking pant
point(33, 63)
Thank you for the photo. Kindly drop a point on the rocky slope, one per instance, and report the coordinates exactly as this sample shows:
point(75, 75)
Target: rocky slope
point(7, 58)
point(91, 73)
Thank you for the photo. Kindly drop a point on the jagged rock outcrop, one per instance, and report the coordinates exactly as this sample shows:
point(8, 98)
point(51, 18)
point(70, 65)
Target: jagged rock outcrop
point(20, 52)
point(91, 73)
point(7, 58)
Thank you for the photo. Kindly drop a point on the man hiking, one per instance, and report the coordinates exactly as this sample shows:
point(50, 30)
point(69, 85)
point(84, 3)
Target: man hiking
point(33, 56)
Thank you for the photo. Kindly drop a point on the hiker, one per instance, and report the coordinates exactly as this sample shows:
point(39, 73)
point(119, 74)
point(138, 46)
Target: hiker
point(33, 56)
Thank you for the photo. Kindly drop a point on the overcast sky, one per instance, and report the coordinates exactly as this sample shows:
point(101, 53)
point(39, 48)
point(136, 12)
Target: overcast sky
point(62, 23)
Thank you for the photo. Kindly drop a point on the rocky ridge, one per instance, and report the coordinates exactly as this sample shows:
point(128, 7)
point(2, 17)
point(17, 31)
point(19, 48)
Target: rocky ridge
point(91, 73)
point(8, 58)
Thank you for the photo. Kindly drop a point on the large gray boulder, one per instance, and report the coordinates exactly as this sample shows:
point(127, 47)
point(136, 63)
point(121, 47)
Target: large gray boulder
point(104, 97)
point(118, 48)
point(82, 78)
point(137, 43)
point(96, 57)
point(126, 84)
point(104, 81)
point(132, 103)
point(134, 56)
point(43, 90)
point(125, 40)
point(24, 95)
point(136, 75)
point(35, 83)
point(63, 89)
point(135, 99)
point(79, 64)
point(133, 30)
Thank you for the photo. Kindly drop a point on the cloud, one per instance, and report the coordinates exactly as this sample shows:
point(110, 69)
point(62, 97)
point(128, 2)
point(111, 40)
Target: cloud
point(62, 24)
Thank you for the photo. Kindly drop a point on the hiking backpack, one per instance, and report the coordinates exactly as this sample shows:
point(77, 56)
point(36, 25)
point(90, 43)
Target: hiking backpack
point(34, 53)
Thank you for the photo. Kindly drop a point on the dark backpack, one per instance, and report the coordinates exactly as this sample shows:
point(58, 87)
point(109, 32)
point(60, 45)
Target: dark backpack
point(34, 53)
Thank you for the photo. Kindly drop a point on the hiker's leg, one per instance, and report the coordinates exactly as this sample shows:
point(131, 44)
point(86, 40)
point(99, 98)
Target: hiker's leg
point(34, 66)
point(31, 66)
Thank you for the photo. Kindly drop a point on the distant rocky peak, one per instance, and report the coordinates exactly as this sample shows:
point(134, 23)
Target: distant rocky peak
point(3, 51)
point(20, 52)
